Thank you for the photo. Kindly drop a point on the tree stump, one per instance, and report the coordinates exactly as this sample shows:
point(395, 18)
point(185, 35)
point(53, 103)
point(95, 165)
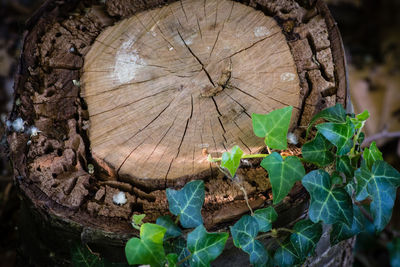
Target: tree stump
point(131, 96)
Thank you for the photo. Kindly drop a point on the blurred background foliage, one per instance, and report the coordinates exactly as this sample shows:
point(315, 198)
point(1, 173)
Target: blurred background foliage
point(371, 35)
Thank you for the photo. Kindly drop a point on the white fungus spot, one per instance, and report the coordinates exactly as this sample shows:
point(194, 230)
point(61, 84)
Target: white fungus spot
point(261, 31)
point(33, 131)
point(90, 168)
point(119, 198)
point(127, 63)
point(170, 48)
point(18, 125)
point(292, 138)
point(288, 76)
point(76, 83)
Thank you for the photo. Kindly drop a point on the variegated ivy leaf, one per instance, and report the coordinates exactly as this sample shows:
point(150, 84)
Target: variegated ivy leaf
point(149, 248)
point(265, 218)
point(339, 134)
point(341, 231)
point(187, 202)
point(282, 174)
point(205, 247)
point(371, 155)
point(318, 151)
point(327, 204)
point(333, 114)
point(380, 184)
point(273, 127)
point(243, 233)
point(231, 160)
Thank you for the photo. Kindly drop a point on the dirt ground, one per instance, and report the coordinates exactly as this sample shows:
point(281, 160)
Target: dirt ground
point(370, 30)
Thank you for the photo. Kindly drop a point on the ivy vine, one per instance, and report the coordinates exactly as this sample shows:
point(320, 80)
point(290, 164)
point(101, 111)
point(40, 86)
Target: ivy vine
point(347, 185)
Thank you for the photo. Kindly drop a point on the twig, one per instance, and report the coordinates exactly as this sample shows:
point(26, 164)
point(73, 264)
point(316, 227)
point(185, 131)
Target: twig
point(184, 259)
point(381, 135)
point(365, 213)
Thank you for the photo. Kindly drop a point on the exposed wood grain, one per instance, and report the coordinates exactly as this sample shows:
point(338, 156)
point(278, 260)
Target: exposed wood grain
point(168, 82)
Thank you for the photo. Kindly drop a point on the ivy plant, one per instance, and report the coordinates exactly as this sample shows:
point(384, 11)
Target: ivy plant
point(348, 186)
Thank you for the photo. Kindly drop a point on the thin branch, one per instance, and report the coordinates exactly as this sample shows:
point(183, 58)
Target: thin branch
point(381, 135)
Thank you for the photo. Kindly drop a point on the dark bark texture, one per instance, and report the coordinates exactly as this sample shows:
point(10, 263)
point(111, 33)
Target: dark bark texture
point(64, 203)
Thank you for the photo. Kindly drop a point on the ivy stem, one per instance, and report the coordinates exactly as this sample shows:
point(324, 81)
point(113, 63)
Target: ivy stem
point(247, 156)
point(274, 233)
point(177, 219)
point(264, 235)
point(355, 139)
point(283, 229)
point(246, 198)
point(269, 150)
point(184, 259)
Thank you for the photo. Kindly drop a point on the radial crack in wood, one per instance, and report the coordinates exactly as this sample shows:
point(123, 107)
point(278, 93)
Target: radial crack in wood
point(166, 83)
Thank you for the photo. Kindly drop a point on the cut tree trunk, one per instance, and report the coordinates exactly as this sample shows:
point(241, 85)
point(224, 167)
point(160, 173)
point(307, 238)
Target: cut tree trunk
point(131, 96)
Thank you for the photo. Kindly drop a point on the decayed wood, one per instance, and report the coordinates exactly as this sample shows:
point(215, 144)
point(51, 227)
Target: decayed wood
point(165, 85)
point(51, 169)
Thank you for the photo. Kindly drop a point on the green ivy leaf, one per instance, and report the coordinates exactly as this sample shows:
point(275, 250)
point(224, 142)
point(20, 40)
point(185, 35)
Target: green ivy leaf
point(82, 257)
point(285, 255)
point(299, 245)
point(231, 160)
point(137, 220)
point(363, 116)
point(371, 155)
point(394, 252)
point(187, 202)
point(149, 248)
point(172, 229)
point(343, 164)
point(361, 138)
point(380, 184)
point(339, 134)
point(328, 204)
point(243, 233)
point(341, 231)
point(305, 237)
point(205, 247)
point(177, 246)
point(333, 114)
point(265, 218)
point(172, 260)
point(273, 127)
point(318, 151)
point(360, 119)
point(282, 174)
point(336, 178)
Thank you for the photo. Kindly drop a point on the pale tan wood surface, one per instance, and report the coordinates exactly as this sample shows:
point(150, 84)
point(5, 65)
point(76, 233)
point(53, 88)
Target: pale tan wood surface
point(167, 83)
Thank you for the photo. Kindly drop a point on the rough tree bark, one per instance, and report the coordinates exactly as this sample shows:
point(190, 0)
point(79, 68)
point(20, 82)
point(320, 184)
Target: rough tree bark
point(162, 83)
